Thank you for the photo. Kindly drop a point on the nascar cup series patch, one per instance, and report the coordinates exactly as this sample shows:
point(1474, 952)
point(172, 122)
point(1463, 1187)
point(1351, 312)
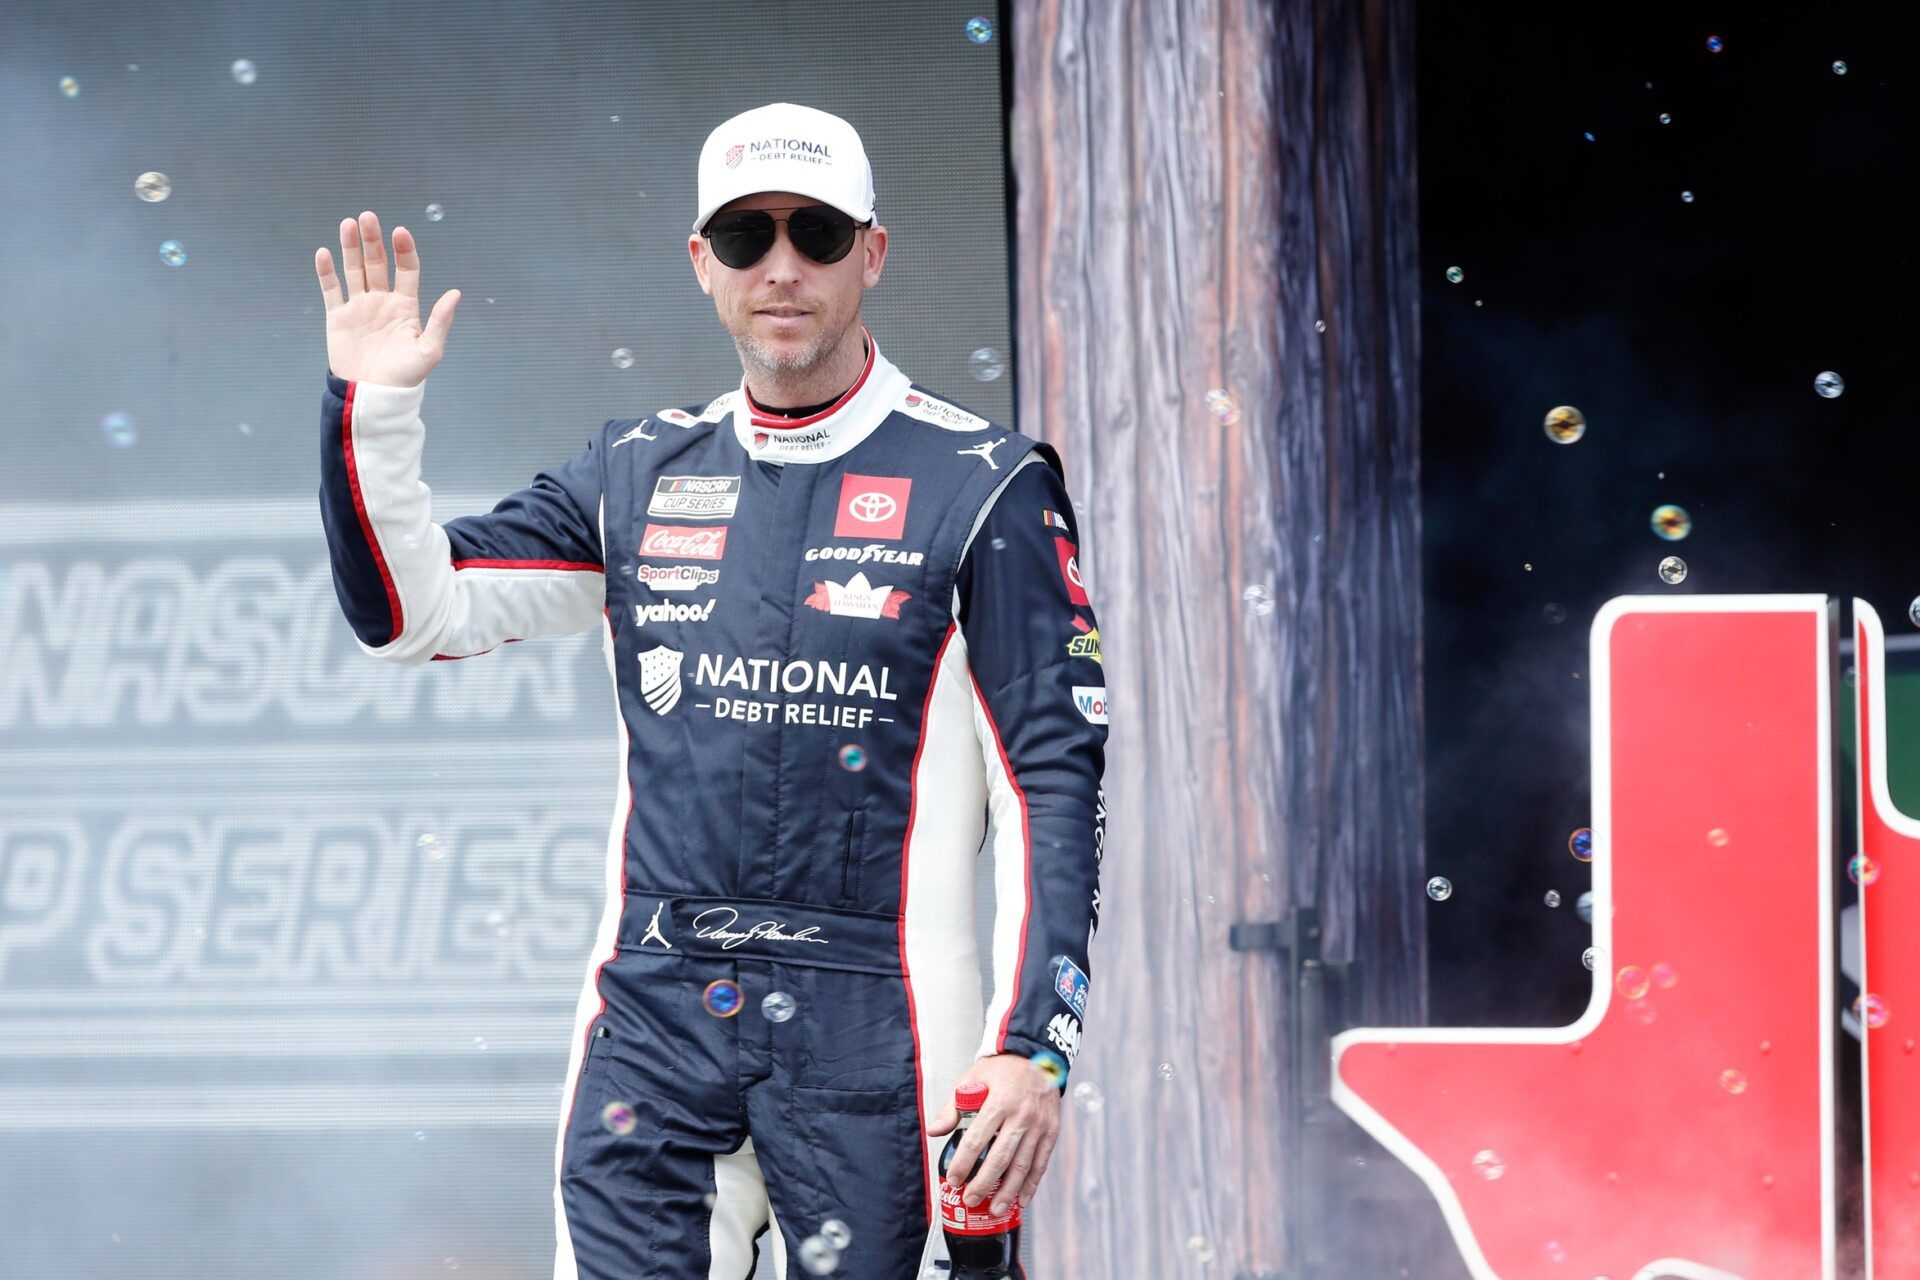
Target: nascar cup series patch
point(695, 497)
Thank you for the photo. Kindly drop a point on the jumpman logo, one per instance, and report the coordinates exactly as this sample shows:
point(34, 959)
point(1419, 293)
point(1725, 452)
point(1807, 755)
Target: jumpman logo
point(637, 433)
point(653, 933)
point(984, 451)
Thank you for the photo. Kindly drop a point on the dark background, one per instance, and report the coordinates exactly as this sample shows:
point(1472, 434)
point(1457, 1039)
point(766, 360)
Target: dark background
point(1689, 335)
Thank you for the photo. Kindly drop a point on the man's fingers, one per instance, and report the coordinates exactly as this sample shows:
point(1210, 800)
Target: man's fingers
point(1019, 1173)
point(1006, 1145)
point(960, 1172)
point(1042, 1157)
point(329, 282)
point(375, 252)
point(406, 263)
point(943, 1123)
point(352, 272)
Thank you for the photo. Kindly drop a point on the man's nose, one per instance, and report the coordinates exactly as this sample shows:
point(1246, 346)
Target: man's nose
point(782, 259)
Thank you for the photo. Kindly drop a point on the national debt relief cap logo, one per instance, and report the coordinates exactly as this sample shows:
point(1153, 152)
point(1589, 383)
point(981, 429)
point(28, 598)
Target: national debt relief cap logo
point(660, 677)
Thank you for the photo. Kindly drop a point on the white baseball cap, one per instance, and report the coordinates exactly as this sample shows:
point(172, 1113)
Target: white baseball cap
point(784, 147)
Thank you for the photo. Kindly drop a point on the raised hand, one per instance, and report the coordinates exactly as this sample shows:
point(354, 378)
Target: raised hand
point(375, 335)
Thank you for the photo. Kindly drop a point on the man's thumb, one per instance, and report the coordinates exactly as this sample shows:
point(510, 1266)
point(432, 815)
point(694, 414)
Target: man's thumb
point(440, 320)
point(949, 1117)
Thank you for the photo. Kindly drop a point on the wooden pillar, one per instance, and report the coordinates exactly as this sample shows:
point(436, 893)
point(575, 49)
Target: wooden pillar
point(1218, 196)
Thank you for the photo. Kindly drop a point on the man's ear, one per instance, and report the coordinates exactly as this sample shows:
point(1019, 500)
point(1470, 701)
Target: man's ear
point(875, 249)
point(697, 251)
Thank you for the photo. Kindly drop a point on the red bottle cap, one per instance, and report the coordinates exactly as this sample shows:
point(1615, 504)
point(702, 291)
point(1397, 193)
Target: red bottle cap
point(970, 1097)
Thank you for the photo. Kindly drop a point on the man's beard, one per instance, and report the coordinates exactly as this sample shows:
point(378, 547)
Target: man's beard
point(761, 356)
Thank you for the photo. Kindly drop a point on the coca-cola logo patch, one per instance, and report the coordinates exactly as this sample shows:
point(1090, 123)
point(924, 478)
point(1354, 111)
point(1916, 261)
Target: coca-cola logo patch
point(683, 542)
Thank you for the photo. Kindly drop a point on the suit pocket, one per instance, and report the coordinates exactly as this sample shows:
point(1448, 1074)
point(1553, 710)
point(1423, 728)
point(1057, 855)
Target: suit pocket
point(585, 1138)
point(853, 853)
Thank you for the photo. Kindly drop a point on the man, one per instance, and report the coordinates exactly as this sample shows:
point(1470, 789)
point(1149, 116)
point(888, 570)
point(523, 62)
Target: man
point(845, 621)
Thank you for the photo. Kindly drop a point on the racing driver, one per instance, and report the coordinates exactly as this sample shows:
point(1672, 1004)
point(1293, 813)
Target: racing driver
point(850, 644)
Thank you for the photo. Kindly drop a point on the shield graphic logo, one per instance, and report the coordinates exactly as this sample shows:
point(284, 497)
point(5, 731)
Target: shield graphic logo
point(660, 678)
point(733, 155)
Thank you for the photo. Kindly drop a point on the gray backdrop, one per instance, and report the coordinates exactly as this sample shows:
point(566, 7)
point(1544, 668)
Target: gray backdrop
point(289, 938)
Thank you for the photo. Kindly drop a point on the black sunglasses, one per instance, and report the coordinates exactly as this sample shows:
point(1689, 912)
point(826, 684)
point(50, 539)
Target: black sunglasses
point(741, 237)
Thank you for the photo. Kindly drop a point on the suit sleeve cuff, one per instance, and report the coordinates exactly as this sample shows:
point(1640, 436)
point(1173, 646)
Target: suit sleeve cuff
point(379, 405)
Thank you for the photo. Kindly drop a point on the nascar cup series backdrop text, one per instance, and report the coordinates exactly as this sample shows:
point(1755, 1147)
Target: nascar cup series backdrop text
point(290, 938)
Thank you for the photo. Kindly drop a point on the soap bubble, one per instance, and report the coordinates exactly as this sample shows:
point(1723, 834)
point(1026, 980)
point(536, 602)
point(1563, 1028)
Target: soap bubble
point(818, 1256)
point(152, 186)
point(1829, 384)
point(1673, 571)
point(1051, 1066)
point(1672, 523)
point(244, 72)
point(1456, 275)
point(1488, 1164)
point(778, 1007)
point(722, 998)
point(618, 1118)
point(1580, 844)
point(1439, 888)
point(985, 364)
point(1565, 424)
point(119, 429)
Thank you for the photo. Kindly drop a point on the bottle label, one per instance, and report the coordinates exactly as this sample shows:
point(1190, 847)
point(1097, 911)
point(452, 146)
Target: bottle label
point(963, 1219)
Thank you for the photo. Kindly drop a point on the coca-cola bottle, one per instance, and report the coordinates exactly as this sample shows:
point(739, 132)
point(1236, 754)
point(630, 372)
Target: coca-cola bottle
point(983, 1244)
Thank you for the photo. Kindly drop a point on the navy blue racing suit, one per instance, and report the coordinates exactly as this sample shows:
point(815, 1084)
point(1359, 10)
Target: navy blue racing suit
point(845, 648)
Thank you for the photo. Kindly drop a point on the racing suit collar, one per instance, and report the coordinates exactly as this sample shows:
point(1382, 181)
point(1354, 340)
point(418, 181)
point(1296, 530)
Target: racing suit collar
point(831, 432)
